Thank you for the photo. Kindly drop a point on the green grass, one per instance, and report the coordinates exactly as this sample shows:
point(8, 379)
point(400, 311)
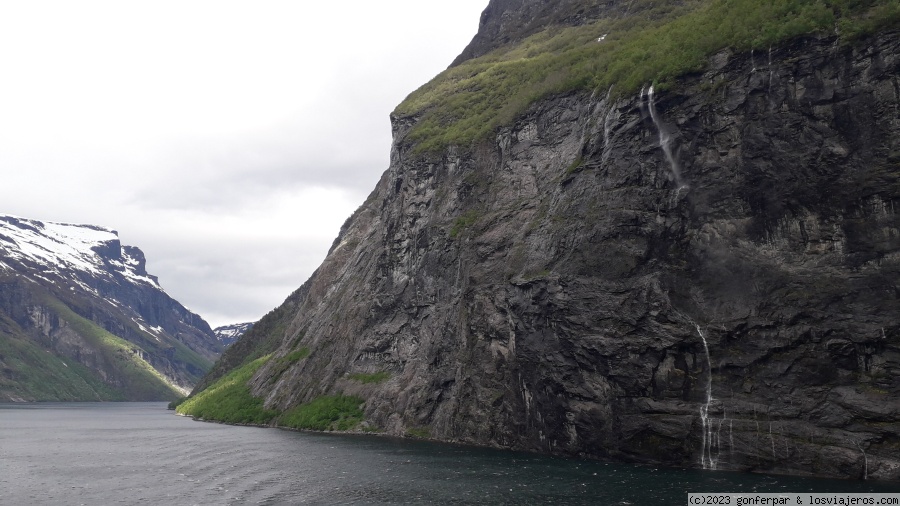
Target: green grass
point(378, 377)
point(282, 364)
point(295, 355)
point(657, 44)
point(335, 412)
point(463, 222)
point(229, 399)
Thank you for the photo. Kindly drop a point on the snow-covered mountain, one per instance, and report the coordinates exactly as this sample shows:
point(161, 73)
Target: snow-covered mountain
point(78, 253)
point(111, 331)
point(228, 334)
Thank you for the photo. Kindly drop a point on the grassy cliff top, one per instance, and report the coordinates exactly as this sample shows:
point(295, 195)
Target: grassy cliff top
point(652, 41)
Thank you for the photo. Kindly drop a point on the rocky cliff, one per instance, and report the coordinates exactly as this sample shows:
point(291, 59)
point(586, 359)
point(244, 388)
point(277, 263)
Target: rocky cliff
point(705, 276)
point(81, 319)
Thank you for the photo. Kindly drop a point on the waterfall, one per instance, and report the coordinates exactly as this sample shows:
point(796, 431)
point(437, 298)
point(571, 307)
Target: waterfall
point(607, 128)
point(664, 139)
point(608, 123)
point(865, 461)
point(772, 440)
point(706, 449)
point(730, 437)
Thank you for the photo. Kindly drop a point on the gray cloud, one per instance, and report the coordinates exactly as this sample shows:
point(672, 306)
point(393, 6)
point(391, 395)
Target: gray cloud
point(227, 141)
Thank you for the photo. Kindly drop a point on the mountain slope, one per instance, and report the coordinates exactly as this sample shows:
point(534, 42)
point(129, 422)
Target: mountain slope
point(704, 273)
point(81, 319)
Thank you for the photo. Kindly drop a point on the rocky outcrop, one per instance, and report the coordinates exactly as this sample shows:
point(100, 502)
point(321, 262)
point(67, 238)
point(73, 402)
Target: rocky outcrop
point(509, 21)
point(76, 292)
point(707, 276)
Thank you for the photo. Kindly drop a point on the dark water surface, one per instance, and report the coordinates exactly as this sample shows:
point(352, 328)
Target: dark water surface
point(140, 453)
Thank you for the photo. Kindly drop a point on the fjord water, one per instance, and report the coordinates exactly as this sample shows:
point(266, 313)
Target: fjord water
point(140, 453)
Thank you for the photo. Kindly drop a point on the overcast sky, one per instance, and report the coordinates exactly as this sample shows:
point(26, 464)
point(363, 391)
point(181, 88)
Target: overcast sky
point(227, 140)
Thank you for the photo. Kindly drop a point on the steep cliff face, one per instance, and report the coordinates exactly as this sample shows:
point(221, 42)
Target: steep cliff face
point(81, 319)
point(706, 276)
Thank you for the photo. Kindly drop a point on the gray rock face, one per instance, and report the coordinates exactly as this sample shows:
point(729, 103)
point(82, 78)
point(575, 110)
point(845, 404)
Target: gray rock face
point(705, 277)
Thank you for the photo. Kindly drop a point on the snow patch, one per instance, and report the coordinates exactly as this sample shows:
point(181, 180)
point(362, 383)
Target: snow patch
point(227, 334)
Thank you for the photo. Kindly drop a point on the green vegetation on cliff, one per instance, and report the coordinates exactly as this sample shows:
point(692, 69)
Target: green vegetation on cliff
point(31, 370)
point(136, 377)
point(655, 44)
point(333, 412)
point(229, 399)
point(652, 41)
point(76, 304)
point(263, 339)
point(463, 222)
point(28, 372)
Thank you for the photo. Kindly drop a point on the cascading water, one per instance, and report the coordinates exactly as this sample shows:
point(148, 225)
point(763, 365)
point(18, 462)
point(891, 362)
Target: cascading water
point(609, 120)
point(711, 439)
point(865, 461)
point(607, 128)
point(709, 442)
point(665, 138)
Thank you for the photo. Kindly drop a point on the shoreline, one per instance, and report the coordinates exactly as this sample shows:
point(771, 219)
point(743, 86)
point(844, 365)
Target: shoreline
point(535, 453)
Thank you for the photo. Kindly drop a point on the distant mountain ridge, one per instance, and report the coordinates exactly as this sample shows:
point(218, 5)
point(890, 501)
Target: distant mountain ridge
point(227, 334)
point(81, 319)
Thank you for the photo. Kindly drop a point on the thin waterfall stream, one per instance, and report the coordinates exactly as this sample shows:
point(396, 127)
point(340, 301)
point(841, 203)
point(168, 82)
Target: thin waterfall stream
point(665, 138)
point(710, 438)
point(706, 450)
